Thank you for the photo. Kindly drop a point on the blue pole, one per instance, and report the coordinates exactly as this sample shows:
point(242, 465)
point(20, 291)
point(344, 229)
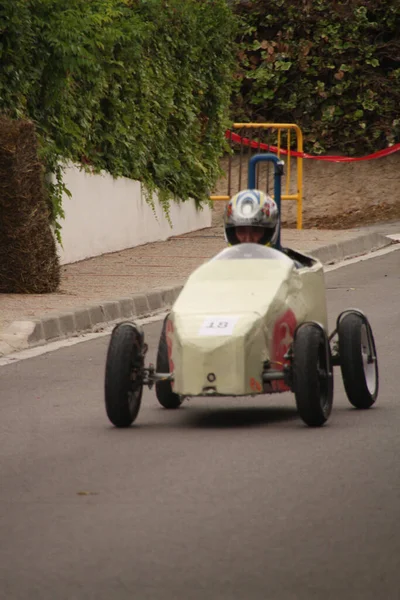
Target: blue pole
point(278, 172)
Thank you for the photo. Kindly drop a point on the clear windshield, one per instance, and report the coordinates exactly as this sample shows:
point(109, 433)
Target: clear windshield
point(251, 251)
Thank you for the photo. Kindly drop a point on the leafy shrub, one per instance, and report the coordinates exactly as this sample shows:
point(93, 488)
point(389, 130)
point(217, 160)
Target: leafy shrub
point(333, 67)
point(28, 257)
point(139, 88)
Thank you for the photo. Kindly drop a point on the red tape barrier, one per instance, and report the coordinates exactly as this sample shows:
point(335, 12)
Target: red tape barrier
point(236, 138)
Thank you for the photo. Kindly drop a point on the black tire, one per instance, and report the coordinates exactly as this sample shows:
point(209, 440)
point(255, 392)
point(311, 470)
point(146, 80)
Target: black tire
point(358, 360)
point(165, 395)
point(123, 379)
point(312, 375)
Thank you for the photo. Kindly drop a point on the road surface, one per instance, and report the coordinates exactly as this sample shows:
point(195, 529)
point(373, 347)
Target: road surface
point(222, 499)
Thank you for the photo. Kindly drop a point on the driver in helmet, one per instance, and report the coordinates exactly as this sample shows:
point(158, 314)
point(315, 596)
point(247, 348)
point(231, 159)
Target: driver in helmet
point(251, 216)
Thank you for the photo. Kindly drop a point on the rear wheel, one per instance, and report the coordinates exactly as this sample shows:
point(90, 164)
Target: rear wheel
point(165, 395)
point(358, 360)
point(312, 375)
point(123, 379)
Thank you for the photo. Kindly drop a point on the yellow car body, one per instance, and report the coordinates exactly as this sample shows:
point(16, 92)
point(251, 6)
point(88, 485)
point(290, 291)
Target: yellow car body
point(237, 313)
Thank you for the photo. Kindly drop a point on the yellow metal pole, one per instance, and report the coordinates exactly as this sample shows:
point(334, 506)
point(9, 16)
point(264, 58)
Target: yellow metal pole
point(299, 178)
point(267, 125)
point(279, 143)
point(288, 162)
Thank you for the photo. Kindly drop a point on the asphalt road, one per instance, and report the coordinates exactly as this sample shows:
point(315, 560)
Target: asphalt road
point(222, 499)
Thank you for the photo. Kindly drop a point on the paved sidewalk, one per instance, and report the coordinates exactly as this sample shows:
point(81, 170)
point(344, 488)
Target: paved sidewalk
point(141, 280)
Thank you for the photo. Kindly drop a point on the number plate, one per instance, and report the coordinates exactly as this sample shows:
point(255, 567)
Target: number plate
point(218, 325)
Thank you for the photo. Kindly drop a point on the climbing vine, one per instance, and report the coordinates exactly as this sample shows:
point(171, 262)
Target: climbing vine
point(139, 88)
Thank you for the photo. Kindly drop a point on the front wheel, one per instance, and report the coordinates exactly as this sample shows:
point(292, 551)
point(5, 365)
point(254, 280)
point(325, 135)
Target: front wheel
point(123, 379)
point(165, 395)
point(358, 360)
point(312, 375)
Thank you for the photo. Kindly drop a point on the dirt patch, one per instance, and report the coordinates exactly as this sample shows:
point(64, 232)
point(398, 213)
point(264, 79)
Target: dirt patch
point(357, 217)
point(335, 195)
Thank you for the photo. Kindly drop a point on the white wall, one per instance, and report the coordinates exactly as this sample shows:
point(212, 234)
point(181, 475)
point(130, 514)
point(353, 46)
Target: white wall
point(107, 215)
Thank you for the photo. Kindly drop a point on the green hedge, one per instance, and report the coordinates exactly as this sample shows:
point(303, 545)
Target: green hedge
point(29, 263)
point(331, 67)
point(139, 88)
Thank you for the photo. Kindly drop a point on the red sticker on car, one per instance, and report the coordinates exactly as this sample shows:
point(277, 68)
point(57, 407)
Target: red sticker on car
point(255, 385)
point(282, 339)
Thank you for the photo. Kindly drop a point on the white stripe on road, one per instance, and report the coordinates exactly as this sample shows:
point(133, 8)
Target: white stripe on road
point(85, 337)
point(394, 236)
point(53, 346)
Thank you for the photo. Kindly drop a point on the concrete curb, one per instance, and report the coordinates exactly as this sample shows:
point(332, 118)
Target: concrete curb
point(351, 248)
point(20, 335)
point(27, 333)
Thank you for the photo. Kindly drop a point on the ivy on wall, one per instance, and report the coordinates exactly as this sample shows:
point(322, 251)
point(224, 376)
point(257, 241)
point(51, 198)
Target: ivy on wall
point(139, 88)
point(332, 66)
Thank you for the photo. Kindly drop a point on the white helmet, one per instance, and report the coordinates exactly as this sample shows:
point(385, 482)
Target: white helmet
point(255, 209)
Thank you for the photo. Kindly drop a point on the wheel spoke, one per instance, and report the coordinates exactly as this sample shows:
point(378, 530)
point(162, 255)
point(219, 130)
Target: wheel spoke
point(312, 374)
point(358, 361)
point(123, 379)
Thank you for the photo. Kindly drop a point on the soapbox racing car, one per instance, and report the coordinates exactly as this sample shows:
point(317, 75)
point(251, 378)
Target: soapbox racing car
point(250, 321)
